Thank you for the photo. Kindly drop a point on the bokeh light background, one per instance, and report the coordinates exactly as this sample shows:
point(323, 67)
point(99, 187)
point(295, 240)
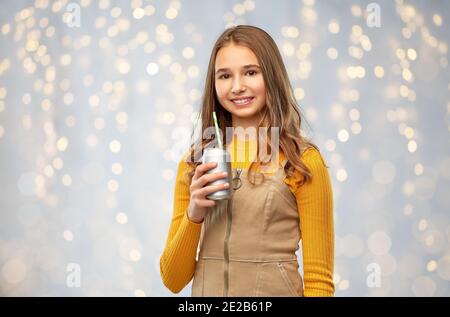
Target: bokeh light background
point(94, 119)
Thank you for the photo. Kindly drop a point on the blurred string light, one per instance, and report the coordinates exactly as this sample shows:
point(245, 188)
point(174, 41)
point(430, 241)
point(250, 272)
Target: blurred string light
point(384, 171)
point(88, 97)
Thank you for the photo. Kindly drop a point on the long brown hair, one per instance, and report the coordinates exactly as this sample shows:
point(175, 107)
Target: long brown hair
point(281, 108)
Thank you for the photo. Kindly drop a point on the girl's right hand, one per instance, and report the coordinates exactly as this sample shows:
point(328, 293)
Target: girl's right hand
point(198, 204)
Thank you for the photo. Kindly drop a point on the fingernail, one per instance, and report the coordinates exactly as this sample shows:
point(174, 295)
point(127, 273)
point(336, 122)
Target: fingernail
point(226, 185)
point(224, 173)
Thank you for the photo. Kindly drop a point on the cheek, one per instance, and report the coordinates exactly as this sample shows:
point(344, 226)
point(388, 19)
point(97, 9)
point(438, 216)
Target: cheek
point(260, 88)
point(220, 90)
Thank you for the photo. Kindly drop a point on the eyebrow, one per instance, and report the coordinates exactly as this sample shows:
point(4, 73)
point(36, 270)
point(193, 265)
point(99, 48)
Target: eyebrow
point(244, 67)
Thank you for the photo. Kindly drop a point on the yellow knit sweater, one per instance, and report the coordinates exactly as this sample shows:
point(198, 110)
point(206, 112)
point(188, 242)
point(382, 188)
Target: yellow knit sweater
point(315, 208)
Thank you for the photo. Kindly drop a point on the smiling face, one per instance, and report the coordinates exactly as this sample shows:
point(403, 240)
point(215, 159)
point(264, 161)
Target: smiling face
point(239, 84)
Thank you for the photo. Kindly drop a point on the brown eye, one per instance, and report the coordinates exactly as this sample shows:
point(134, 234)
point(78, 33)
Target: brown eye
point(251, 71)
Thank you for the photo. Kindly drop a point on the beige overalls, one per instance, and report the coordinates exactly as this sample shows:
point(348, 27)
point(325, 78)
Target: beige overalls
point(250, 249)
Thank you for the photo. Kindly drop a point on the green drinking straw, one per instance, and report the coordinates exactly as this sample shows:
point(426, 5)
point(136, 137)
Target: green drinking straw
point(216, 126)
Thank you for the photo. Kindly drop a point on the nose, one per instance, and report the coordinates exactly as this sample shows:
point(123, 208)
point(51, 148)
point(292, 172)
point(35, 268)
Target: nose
point(238, 85)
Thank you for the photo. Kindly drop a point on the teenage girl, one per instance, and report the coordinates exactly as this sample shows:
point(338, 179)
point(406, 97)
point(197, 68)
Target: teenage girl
point(250, 249)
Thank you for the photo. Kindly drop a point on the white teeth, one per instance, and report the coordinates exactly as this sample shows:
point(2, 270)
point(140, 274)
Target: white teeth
point(242, 101)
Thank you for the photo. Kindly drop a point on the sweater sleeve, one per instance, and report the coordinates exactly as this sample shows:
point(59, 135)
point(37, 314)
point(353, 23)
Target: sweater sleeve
point(178, 260)
point(315, 206)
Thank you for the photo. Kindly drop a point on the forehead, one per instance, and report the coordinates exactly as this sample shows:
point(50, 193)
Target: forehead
point(235, 56)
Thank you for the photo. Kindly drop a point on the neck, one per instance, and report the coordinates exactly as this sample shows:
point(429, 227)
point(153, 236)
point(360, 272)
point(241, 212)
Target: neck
point(245, 128)
point(245, 123)
point(241, 134)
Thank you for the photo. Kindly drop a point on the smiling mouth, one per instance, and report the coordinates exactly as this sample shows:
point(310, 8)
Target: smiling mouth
point(243, 101)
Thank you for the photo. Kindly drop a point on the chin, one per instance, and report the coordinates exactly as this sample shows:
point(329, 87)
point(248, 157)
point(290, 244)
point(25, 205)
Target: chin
point(244, 113)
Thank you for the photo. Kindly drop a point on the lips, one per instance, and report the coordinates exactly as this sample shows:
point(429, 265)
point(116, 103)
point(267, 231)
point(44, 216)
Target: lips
point(242, 101)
